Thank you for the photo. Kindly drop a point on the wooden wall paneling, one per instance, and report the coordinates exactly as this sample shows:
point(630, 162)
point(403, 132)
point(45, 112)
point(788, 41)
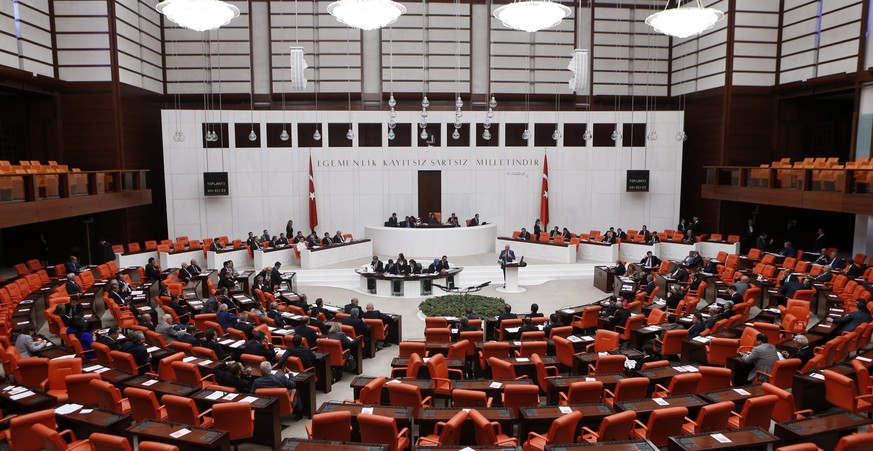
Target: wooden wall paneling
point(370, 135)
point(704, 121)
point(749, 132)
point(89, 136)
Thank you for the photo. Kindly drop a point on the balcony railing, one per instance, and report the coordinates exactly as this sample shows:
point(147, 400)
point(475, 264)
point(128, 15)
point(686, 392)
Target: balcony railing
point(847, 181)
point(33, 187)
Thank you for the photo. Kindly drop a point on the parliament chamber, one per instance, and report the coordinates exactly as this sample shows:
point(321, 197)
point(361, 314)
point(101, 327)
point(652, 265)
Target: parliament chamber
point(625, 225)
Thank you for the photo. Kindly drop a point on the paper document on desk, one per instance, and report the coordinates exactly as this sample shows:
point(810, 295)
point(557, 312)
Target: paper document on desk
point(67, 409)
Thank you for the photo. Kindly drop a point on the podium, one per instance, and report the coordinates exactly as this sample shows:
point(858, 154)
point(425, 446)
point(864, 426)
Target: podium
point(510, 278)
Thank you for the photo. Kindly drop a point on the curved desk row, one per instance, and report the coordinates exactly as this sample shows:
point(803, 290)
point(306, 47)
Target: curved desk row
point(409, 286)
point(337, 253)
point(553, 252)
point(429, 243)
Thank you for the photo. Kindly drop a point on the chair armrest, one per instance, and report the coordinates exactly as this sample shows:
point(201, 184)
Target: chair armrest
point(690, 421)
point(585, 430)
point(531, 435)
point(522, 377)
point(509, 441)
point(489, 401)
point(459, 372)
point(427, 440)
point(658, 340)
point(401, 370)
point(43, 384)
point(611, 394)
point(209, 377)
point(203, 414)
point(735, 414)
point(552, 368)
point(69, 433)
point(620, 327)
point(308, 430)
point(863, 396)
point(758, 375)
point(576, 317)
point(441, 379)
point(588, 348)
point(427, 402)
point(438, 428)
point(638, 422)
point(803, 413)
point(497, 427)
point(591, 369)
point(563, 396)
point(661, 388)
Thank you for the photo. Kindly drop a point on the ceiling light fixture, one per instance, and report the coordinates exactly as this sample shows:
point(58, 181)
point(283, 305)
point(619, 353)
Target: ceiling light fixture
point(682, 22)
point(531, 15)
point(198, 15)
point(366, 14)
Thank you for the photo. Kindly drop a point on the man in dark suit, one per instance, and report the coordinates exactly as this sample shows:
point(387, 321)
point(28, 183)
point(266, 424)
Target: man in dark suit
point(377, 265)
point(194, 268)
point(804, 350)
point(338, 238)
point(694, 227)
point(258, 346)
point(108, 253)
point(360, 326)
point(230, 374)
point(650, 260)
point(353, 304)
point(184, 274)
point(260, 285)
point(282, 379)
point(650, 285)
point(698, 325)
point(210, 343)
point(821, 241)
point(72, 265)
point(620, 317)
point(749, 236)
point(507, 314)
point(526, 326)
point(274, 314)
point(252, 242)
point(506, 255)
point(187, 335)
point(226, 281)
point(647, 236)
point(710, 266)
point(275, 275)
point(788, 250)
point(216, 245)
point(145, 320)
point(319, 308)
point(327, 241)
point(619, 269)
point(763, 242)
point(469, 313)
point(110, 339)
point(392, 221)
point(372, 313)
point(306, 356)
point(225, 319)
point(72, 286)
point(134, 347)
point(475, 221)
point(303, 330)
point(693, 260)
point(524, 235)
point(725, 314)
point(282, 240)
point(151, 271)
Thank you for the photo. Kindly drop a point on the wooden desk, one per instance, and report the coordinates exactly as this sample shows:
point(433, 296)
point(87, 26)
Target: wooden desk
point(429, 417)
point(539, 419)
point(302, 444)
point(604, 279)
point(399, 362)
point(473, 447)
point(737, 395)
point(160, 387)
point(196, 440)
point(38, 400)
point(107, 374)
point(562, 384)
point(644, 407)
point(809, 392)
point(485, 386)
point(583, 359)
point(660, 375)
point(565, 315)
point(395, 329)
point(97, 420)
point(523, 365)
point(739, 369)
point(824, 429)
point(268, 430)
point(623, 445)
point(402, 415)
point(426, 386)
point(740, 439)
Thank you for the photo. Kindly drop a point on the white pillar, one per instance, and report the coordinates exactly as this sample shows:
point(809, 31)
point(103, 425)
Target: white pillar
point(260, 47)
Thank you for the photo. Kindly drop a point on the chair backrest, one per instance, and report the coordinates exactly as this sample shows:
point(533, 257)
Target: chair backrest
point(187, 373)
point(58, 370)
point(714, 378)
point(616, 427)
point(655, 364)
point(589, 317)
point(605, 340)
point(501, 369)
point(485, 433)
point(143, 404)
point(235, 418)
point(714, 417)
point(469, 398)
point(608, 364)
point(378, 429)
point(414, 365)
point(665, 422)
point(408, 348)
point(79, 389)
point(783, 372)
point(840, 390)
point(757, 411)
point(720, 349)
point(631, 388)
point(684, 384)
point(657, 316)
point(856, 442)
point(334, 348)
point(406, 395)
point(124, 361)
point(451, 433)
point(102, 353)
point(181, 410)
point(563, 429)
point(332, 426)
point(673, 341)
point(437, 367)
point(585, 392)
point(371, 394)
point(22, 437)
point(785, 406)
point(51, 438)
point(108, 397)
point(529, 348)
point(516, 396)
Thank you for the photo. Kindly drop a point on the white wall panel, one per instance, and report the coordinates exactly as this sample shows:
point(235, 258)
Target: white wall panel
point(87, 59)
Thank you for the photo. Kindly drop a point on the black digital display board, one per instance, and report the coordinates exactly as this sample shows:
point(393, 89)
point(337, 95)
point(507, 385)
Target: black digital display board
point(215, 184)
point(637, 181)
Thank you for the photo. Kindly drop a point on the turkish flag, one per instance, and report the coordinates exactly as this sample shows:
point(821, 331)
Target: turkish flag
point(544, 197)
point(313, 210)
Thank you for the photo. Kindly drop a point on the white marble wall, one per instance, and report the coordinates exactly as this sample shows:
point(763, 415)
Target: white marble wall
point(269, 186)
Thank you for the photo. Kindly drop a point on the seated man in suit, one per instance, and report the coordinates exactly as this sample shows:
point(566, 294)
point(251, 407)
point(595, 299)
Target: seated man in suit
point(253, 242)
point(216, 245)
point(187, 335)
point(804, 350)
point(763, 356)
point(110, 339)
point(258, 345)
point(167, 328)
point(507, 314)
point(233, 374)
point(318, 308)
point(209, 342)
point(474, 221)
point(274, 314)
point(72, 286)
point(709, 266)
point(650, 285)
point(327, 241)
point(788, 250)
point(194, 268)
point(823, 258)
point(145, 320)
point(225, 319)
point(392, 221)
point(650, 260)
point(619, 269)
point(304, 331)
point(526, 326)
point(282, 379)
point(184, 274)
point(443, 264)
point(135, 347)
point(72, 265)
point(151, 271)
point(306, 356)
point(524, 235)
point(376, 265)
point(353, 304)
point(282, 240)
point(360, 326)
point(535, 311)
point(338, 238)
point(698, 325)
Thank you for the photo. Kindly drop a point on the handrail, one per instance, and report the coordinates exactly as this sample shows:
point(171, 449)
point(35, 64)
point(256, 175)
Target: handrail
point(836, 180)
point(38, 186)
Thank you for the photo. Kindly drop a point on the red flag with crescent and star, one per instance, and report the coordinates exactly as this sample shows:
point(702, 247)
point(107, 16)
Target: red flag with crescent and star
point(313, 210)
point(544, 197)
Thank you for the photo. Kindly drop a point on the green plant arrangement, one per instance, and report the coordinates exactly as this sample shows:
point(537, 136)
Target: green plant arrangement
point(455, 305)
